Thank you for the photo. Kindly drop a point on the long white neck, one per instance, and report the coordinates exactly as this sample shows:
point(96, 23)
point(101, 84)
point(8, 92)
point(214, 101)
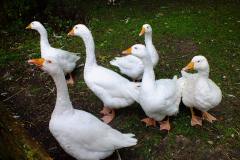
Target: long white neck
point(90, 51)
point(204, 73)
point(43, 39)
point(148, 80)
point(63, 102)
point(151, 49)
point(148, 39)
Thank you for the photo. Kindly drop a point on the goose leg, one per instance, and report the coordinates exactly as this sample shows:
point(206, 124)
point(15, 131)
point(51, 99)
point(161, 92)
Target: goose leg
point(118, 155)
point(149, 122)
point(71, 79)
point(195, 119)
point(165, 125)
point(207, 116)
point(107, 118)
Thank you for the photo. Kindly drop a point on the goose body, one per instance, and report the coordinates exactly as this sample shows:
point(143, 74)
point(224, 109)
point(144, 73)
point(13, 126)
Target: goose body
point(79, 133)
point(114, 90)
point(130, 66)
point(206, 94)
point(199, 91)
point(158, 98)
point(67, 60)
point(133, 66)
point(162, 101)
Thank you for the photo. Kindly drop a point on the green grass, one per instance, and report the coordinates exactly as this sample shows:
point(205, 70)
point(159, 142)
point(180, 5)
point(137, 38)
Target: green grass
point(213, 29)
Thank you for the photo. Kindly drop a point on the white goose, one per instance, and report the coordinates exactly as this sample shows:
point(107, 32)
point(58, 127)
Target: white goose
point(114, 90)
point(199, 91)
point(79, 133)
point(132, 66)
point(158, 98)
point(67, 60)
point(147, 30)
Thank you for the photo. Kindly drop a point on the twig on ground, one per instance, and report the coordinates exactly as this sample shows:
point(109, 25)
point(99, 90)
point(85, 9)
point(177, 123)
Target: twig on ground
point(14, 95)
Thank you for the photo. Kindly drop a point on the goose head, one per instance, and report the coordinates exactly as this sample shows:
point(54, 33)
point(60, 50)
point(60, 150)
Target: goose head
point(48, 66)
point(198, 63)
point(138, 50)
point(146, 28)
point(35, 25)
point(79, 30)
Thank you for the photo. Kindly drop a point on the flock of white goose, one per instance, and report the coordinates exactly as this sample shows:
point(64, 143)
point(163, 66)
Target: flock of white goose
point(84, 136)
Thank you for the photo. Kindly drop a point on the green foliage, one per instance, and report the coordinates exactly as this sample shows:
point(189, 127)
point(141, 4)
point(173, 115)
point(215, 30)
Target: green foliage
point(18, 9)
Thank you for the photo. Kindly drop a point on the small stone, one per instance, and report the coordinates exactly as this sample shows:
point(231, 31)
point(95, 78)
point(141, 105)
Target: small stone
point(231, 95)
point(210, 142)
point(16, 117)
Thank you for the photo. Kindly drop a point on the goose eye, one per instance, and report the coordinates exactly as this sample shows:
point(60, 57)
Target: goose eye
point(135, 48)
point(76, 27)
point(198, 61)
point(49, 61)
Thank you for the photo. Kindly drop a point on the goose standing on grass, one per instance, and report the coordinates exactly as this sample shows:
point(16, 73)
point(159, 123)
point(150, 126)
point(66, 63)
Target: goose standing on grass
point(158, 98)
point(132, 66)
point(79, 133)
point(199, 91)
point(67, 60)
point(114, 90)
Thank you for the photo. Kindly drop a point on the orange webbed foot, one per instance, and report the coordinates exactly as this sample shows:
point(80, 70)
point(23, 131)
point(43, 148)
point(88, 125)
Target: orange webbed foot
point(149, 122)
point(107, 118)
point(196, 121)
point(105, 111)
point(207, 116)
point(165, 125)
point(70, 80)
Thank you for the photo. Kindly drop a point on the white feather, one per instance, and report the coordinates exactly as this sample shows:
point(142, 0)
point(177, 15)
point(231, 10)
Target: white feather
point(66, 60)
point(198, 90)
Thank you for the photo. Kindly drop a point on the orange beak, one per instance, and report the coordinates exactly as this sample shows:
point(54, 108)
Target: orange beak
point(127, 51)
point(38, 62)
point(142, 31)
point(190, 66)
point(71, 33)
point(29, 26)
